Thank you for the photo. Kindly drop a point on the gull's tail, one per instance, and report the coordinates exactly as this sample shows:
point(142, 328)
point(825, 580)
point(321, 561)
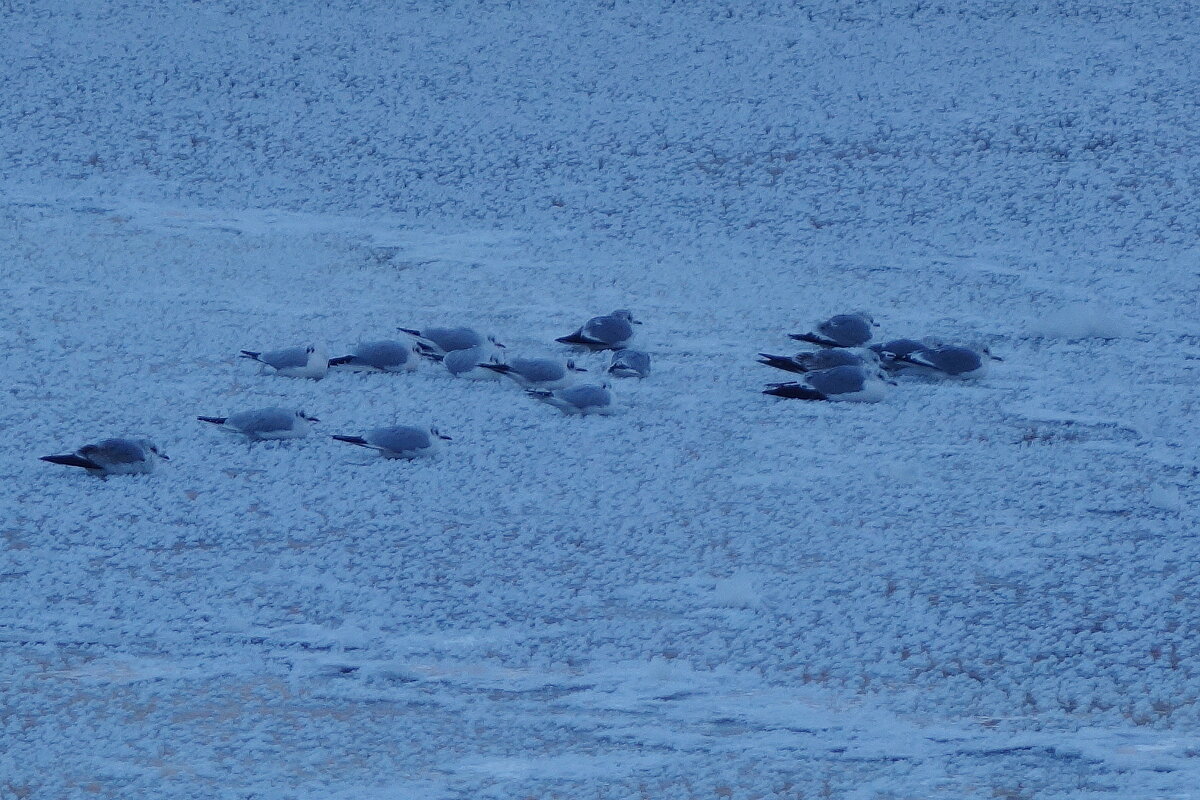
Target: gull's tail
point(250, 354)
point(213, 420)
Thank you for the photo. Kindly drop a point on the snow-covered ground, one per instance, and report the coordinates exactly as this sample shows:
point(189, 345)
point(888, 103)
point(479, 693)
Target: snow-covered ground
point(969, 590)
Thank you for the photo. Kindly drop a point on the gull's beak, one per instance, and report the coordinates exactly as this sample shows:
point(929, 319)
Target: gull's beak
point(164, 456)
point(997, 358)
point(444, 436)
point(636, 321)
point(312, 419)
point(579, 369)
point(502, 347)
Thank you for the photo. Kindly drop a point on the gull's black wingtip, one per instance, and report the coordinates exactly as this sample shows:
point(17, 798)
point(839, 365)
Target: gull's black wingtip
point(358, 440)
point(70, 460)
point(337, 362)
point(812, 338)
point(794, 391)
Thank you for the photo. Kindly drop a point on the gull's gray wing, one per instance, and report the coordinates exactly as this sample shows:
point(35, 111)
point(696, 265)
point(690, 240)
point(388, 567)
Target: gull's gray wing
point(538, 370)
point(450, 339)
point(586, 396)
point(838, 380)
point(950, 360)
point(285, 358)
point(608, 329)
point(110, 452)
point(383, 354)
point(263, 420)
point(399, 439)
point(847, 330)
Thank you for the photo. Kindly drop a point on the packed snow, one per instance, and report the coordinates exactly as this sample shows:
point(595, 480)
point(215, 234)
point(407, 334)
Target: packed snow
point(977, 588)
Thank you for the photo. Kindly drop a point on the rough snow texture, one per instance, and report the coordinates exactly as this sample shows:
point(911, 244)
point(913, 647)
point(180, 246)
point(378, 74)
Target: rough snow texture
point(970, 590)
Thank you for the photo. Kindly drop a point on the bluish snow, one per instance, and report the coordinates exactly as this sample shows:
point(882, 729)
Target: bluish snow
point(968, 590)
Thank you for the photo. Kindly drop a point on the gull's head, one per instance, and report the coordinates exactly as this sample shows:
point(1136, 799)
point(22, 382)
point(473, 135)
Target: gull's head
point(572, 368)
point(435, 433)
point(306, 417)
point(150, 447)
point(492, 339)
point(625, 314)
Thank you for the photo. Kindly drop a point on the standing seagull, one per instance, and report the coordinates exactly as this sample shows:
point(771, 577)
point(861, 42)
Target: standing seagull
point(629, 364)
point(950, 361)
point(538, 373)
point(843, 330)
point(113, 457)
point(265, 423)
point(853, 384)
point(439, 341)
point(610, 332)
point(401, 441)
point(818, 360)
point(383, 356)
point(586, 398)
point(293, 362)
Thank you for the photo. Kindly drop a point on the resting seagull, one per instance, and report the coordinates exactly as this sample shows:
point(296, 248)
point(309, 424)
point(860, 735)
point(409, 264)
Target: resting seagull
point(852, 384)
point(113, 457)
point(819, 359)
point(843, 330)
point(382, 356)
point(537, 373)
point(401, 441)
point(265, 424)
point(950, 361)
point(293, 362)
point(629, 364)
point(440, 341)
point(586, 398)
point(610, 332)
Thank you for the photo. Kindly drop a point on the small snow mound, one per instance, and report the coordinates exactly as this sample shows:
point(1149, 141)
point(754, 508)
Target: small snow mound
point(1165, 498)
point(1083, 321)
point(738, 590)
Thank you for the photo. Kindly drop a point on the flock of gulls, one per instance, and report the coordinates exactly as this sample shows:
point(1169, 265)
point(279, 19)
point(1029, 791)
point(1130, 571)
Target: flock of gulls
point(840, 365)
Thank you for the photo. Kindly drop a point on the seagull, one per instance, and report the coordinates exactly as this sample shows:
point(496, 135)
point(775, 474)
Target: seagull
point(439, 341)
point(113, 457)
point(537, 373)
point(819, 359)
point(401, 441)
point(853, 384)
point(610, 332)
point(586, 398)
point(382, 356)
point(629, 364)
point(265, 423)
point(467, 363)
point(950, 361)
point(293, 362)
point(843, 330)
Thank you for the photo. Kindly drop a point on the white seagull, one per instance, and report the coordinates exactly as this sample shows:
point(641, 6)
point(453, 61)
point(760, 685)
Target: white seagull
point(819, 359)
point(401, 441)
point(113, 457)
point(842, 330)
point(265, 423)
point(293, 362)
point(586, 398)
point(382, 356)
point(629, 364)
point(609, 332)
point(538, 373)
point(440, 341)
point(950, 361)
point(852, 384)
